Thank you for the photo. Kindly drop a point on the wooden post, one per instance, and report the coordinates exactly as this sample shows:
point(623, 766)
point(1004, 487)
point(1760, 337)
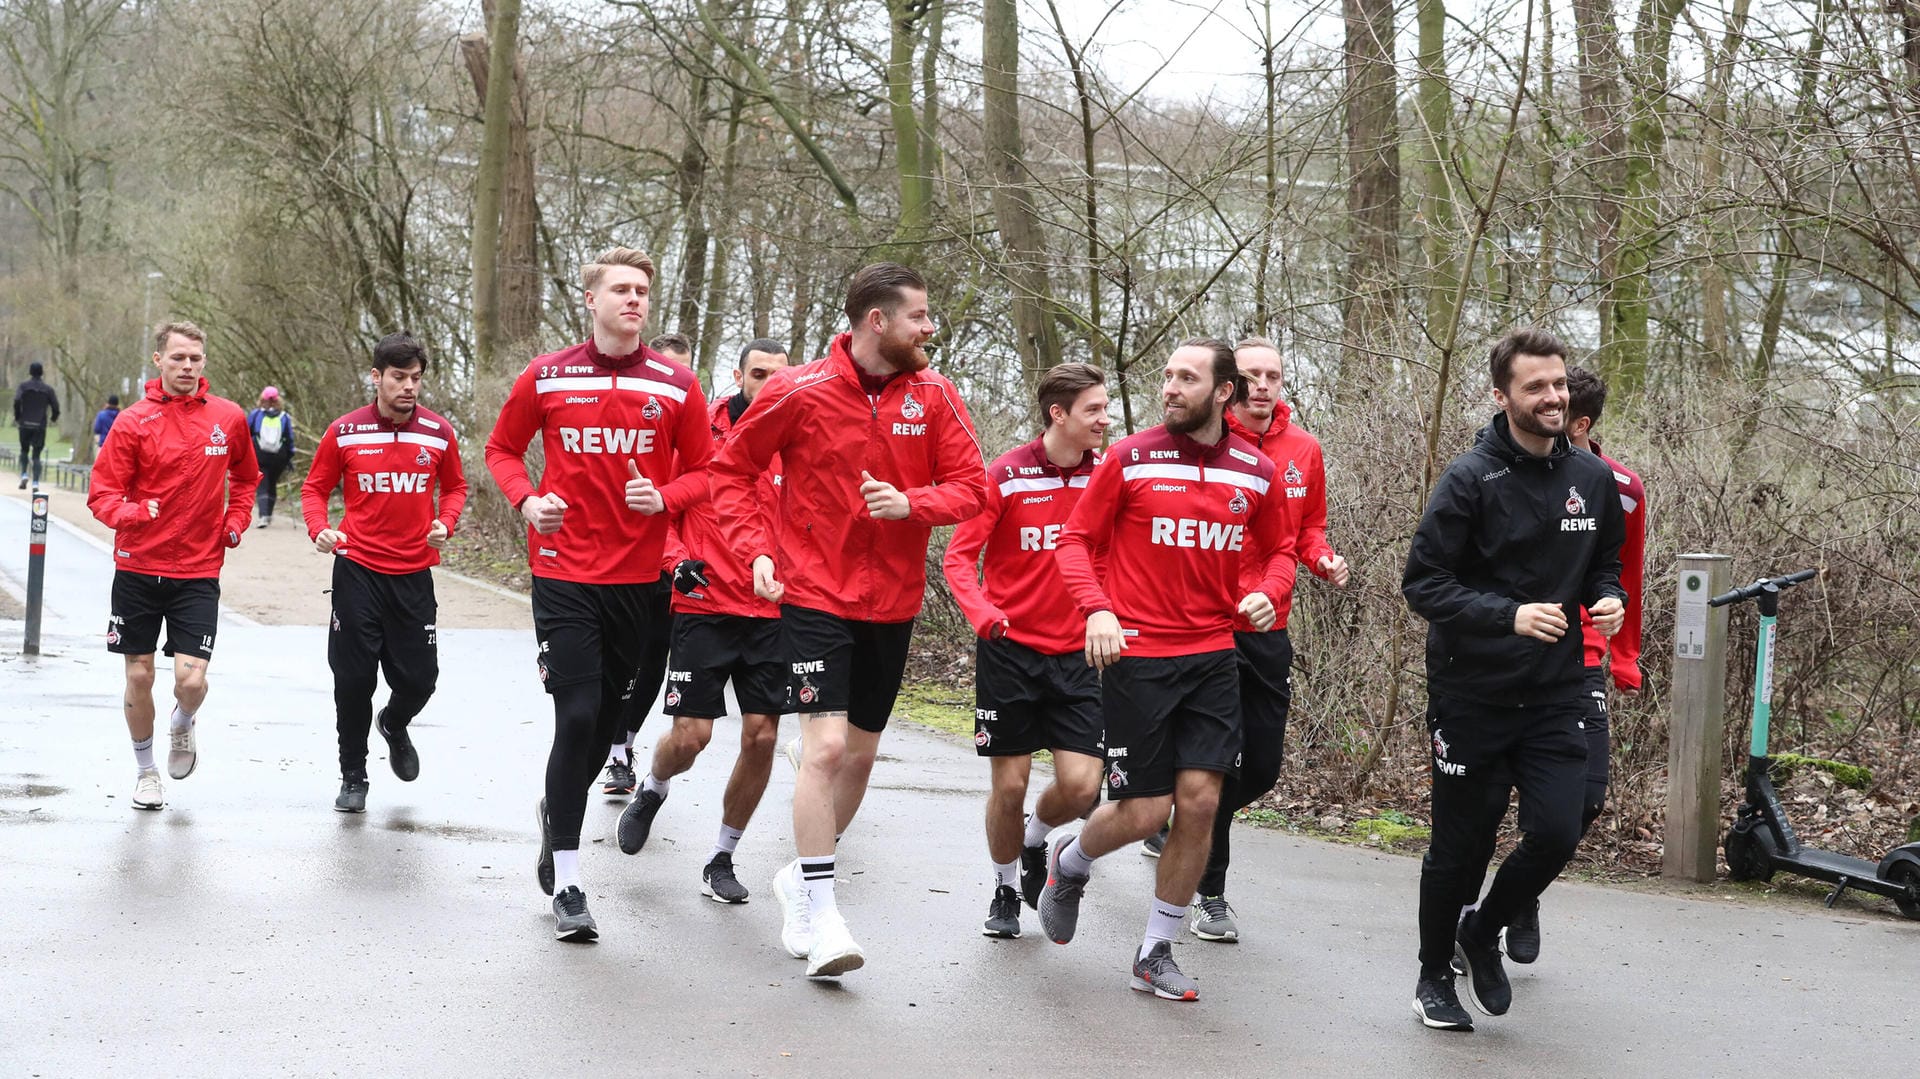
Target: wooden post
point(1698, 728)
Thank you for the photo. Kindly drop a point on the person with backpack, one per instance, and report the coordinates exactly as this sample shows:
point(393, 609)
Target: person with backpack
point(273, 445)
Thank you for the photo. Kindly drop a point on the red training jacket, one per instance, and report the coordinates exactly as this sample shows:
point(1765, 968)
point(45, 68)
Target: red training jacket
point(594, 414)
point(1176, 519)
point(697, 535)
point(1028, 500)
point(828, 552)
point(1625, 645)
point(193, 454)
point(1303, 472)
point(390, 472)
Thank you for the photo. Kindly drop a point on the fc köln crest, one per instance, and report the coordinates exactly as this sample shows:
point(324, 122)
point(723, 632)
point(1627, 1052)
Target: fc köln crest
point(1239, 502)
point(421, 458)
point(673, 698)
point(910, 409)
point(652, 409)
point(1576, 505)
point(808, 694)
point(1293, 473)
point(217, 436)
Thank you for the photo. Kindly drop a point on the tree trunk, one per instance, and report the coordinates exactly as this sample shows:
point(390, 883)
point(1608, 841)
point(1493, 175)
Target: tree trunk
point(503, 33)
point(1369, 301)
point(1641, 239)
point(1262, 308)
point(690, 186)
point(1036, 337)
point(520, 288)
point(903, 17)
point(1601, 113)
point(1436, 158)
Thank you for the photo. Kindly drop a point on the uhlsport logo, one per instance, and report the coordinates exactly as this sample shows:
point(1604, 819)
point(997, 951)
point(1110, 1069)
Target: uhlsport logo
point(1575, 504)
point(1238, 503)
point(910, 409)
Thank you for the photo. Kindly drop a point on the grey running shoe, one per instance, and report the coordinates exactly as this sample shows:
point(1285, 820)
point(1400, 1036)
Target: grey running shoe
point(718, 883)
point(620, 778)
point(571, 922)
point(1523, 935)
point(1155, 843)
point(1033, 874)
point(1213, 920)
point(1479, 956)
point(1003, 914)
point(1159, 975)
point(636, 821)
point(184, 755)
point(544, 867)
point(353, 796)
point(146, 790)
point(1060, 900)
point(1438, 1006)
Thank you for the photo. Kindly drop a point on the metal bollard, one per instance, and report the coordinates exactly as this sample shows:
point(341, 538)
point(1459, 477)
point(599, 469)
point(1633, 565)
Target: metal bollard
point(36, 570)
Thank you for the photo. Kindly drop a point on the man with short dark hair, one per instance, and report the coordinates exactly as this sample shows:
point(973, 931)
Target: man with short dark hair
point(103, 419)
point(876, 451)
point(722, 633)
point(1520, 533)
point(624, 432)
point(388, 456)
point(175, 483)
point(677, 347)
point(35, 408)
point(1178, 509)
point(1032, 688)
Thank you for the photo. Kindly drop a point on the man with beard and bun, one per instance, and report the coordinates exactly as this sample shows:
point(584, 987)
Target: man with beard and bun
point(876, 451)
point(722, 632)
point(1519, 534)
point(387, 456)
point(176, 486)
point(1266, 659)
point(626, 442)
point(1178, 509)
point(1033, 689)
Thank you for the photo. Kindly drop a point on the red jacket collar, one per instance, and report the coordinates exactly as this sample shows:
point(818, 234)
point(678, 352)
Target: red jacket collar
point(155, 392)
point(1282, 416)
point(1036, 451)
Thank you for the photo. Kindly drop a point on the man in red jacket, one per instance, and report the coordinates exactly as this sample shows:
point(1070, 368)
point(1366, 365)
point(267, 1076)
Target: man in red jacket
point(1178, 509)
point(1032, 687)
point(625, 436)
point(876, 451)
point(721, 632)
point(1266, 659)
point(390, 454)
point(176, 486)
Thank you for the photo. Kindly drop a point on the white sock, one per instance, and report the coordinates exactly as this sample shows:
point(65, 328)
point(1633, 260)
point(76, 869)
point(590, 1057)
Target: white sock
point(181, 720)
point(1163, 921)
point(1074, 861)
point(143, 753)
point(1007, 873)
point(1037, 830)
point(816, 876)
point(618, 752)
point(728, 842)
point(631, 735)
point(657, 786)
point(566, 870)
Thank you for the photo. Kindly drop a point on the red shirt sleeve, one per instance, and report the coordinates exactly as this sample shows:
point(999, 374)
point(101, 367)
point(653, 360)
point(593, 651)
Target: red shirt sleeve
point(960, 565)
point(507, 444)
point(1273, 533)
point(1311, 537)
point(243, 475)
point(1089, 530)
point(323, 475)
point(107, 490)
point(453, 484)
point(959, 472)
point(1625, 645)
point(693, 454)
point(734, 477)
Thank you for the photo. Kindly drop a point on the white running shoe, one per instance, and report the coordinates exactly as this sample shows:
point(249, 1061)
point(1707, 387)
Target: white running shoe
point(185, 753)
point(146, 790)
point(796, 918)
point(793, 753)
point(834, 950)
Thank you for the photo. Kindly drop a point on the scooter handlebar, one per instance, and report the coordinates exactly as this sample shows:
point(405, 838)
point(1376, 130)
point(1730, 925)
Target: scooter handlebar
point(1764, 584)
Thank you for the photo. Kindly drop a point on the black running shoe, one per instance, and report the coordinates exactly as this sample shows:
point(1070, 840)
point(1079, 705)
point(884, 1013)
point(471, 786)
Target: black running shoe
point(1523, 935)
point(1479, 956)
point(636, 821)
point(353, 796)
point(544, 867)
point(1155, 843)
point(1438, 1006)
point(718, 883)
point(620, 778)
point(1033, 874)
point(400, 752)
point(571, 922)
point(1003, 914)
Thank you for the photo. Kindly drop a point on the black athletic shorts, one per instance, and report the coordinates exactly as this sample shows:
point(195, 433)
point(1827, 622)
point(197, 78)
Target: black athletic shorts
point(1167, 714)
point(388, 617)
point(1025, 701)
point(592, 632)
point(709, 650)
point(190, 605)
point(839, 665)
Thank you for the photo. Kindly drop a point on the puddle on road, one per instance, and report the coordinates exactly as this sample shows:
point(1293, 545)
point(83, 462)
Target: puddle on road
point(30, 790)
point(26, 816)
point(451, 831)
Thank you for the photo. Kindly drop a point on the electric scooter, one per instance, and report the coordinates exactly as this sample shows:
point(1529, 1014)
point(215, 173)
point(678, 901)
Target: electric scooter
point(1761, 841)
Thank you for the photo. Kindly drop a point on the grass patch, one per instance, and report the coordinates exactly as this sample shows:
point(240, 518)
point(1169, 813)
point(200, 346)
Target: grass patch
point(944, 709)
point(1848, 775)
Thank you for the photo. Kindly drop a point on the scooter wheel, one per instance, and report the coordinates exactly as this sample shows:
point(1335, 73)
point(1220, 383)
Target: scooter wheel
point(1907, 874)
point(1749, 853)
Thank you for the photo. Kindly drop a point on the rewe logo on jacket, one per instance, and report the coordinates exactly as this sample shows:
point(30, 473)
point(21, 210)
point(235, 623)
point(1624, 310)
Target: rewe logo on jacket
point(1576, 506)
point(218, 438)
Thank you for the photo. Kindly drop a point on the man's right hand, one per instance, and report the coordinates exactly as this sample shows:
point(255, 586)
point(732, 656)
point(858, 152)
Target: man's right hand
point(153, 509)
point(1105, 639)
point(544, 512)
point(327, 539)
point(1541, 621)
point(764, 584)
